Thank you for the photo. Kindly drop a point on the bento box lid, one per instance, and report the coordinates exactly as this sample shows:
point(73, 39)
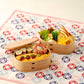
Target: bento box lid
point(20, 43)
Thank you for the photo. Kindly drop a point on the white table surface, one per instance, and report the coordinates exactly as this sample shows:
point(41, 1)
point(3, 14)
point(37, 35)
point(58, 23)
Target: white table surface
point(66, 9)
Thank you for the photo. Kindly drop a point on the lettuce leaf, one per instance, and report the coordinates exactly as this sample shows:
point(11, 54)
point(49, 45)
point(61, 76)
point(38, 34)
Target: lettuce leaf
point(44, 35)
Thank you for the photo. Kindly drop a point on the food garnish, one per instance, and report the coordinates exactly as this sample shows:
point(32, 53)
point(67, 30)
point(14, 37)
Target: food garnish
point(44, 35)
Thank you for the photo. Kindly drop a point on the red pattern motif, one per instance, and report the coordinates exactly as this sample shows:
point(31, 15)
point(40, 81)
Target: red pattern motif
point(71, 66)
point(53, 67)
point(81, 44)
point(80, 31)
point(24, 20)
point(20, 15)
point(73, 82)
point(23, 32)
point(83, 74)
point(35, 26)
point(7, 67)
point(8, 52)
point(10, 38)
point(47, 20)
point(75, 26)
point(58, 73)
point(82, 58)
point(6, 33)
point(39, 74)
point(52, 25)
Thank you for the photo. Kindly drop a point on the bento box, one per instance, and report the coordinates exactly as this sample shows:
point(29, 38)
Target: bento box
point(29, 55)
point(58, 40)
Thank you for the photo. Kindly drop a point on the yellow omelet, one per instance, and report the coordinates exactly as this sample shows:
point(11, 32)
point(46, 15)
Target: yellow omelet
point(44, 56)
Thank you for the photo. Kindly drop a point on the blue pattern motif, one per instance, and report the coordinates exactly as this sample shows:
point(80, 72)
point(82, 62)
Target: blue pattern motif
point(48, 77)
point(65, 59)
point(53, 82)
point(67, 76)
point(20, 75)
point(19, 27)
point(80, 68)
point(3, 60)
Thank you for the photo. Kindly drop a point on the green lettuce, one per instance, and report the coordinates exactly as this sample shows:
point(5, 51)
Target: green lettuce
point(44, 35)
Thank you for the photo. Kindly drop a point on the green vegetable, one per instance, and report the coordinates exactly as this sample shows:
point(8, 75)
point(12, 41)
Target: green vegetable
point(44, 35)
point(55, 34)
point(39, 55)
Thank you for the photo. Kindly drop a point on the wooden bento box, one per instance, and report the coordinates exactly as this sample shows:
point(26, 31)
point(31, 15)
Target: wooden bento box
point(59, 41)
point(29, 56)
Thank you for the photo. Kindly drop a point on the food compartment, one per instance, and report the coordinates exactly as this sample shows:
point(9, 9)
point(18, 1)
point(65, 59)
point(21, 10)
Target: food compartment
point(58, 40)
point(31, 58)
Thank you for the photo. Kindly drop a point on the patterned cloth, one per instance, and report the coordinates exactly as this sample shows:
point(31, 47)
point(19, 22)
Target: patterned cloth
point(64, 69)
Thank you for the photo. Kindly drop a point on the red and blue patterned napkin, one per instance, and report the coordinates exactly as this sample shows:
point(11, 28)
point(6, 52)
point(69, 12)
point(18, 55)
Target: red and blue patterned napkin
point(64, 69)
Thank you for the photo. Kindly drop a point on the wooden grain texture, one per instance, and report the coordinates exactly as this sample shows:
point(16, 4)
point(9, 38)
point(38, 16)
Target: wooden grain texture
point(28, 66)
point(32, 66)
point(20, 43)
point(57, 48)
